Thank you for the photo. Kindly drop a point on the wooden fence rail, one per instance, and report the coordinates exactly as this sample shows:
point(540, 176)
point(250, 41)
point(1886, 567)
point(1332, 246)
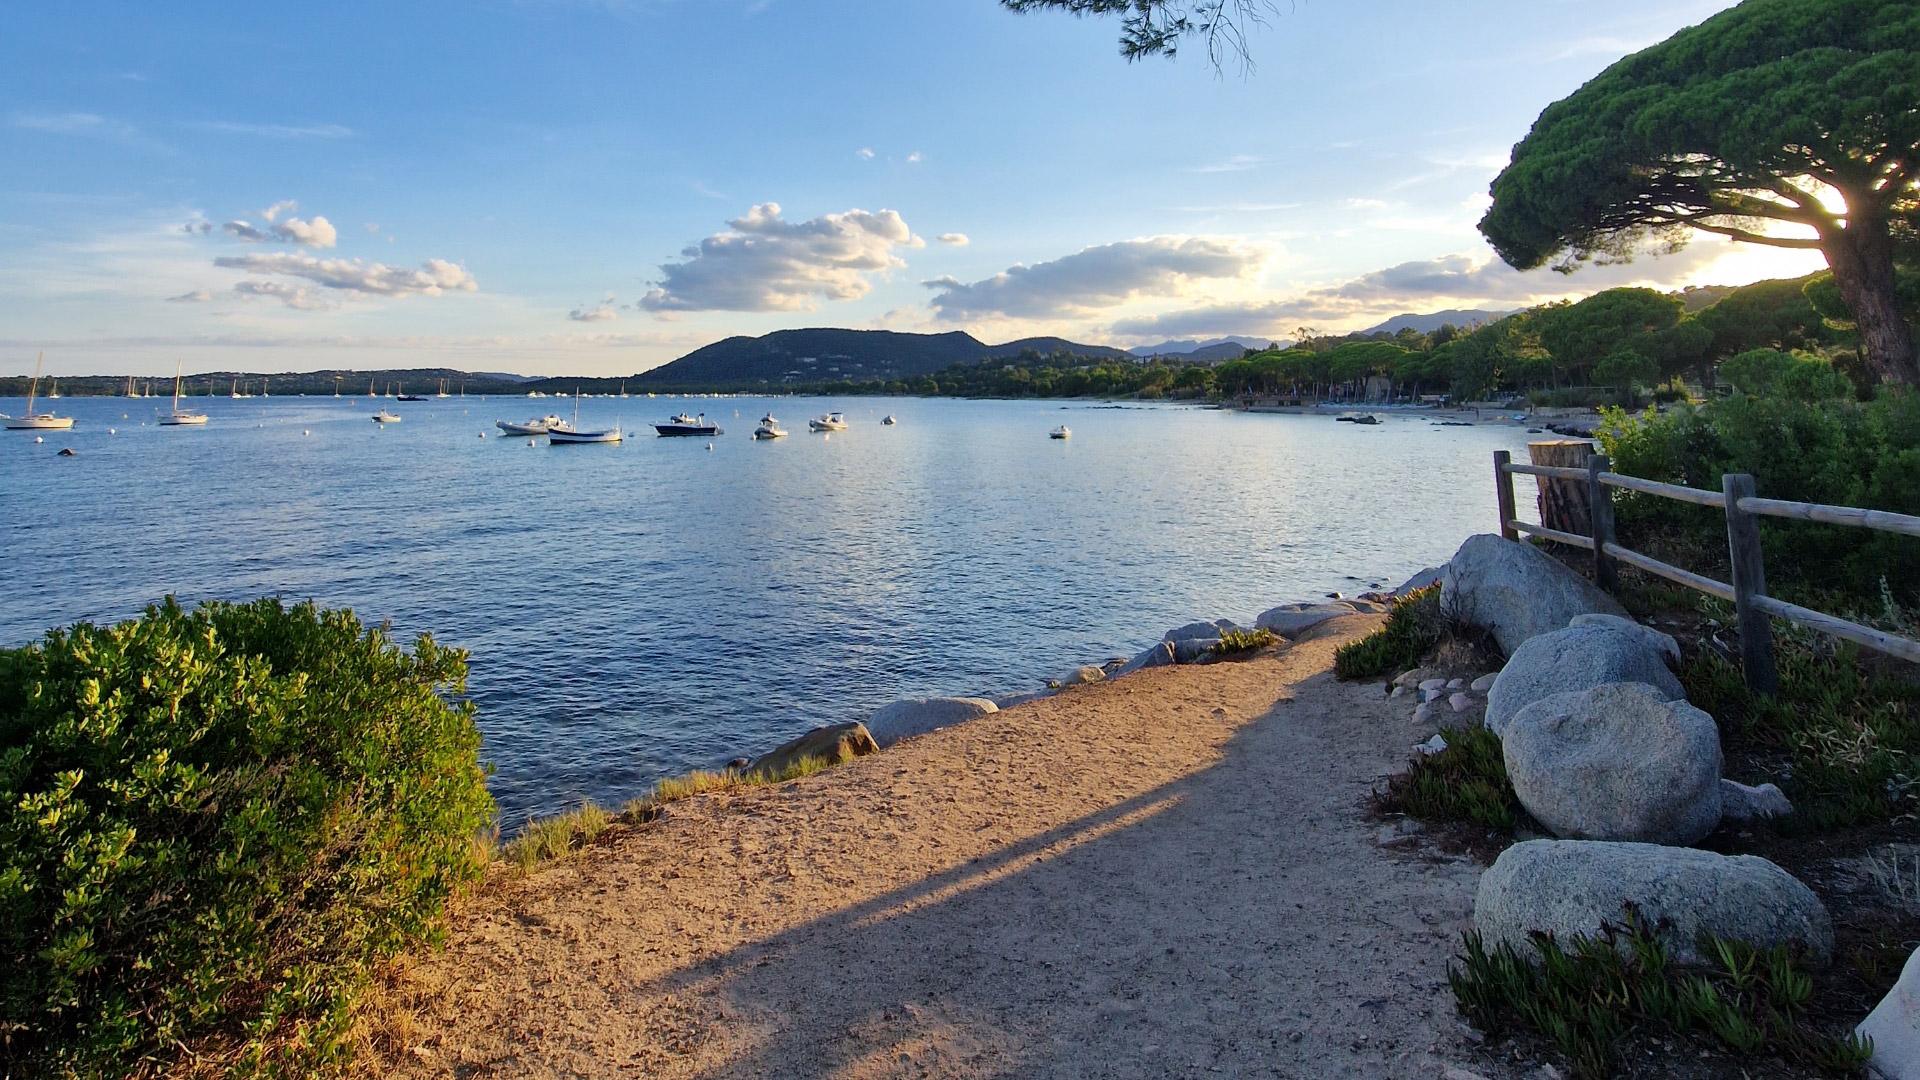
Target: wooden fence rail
point(1754, 609)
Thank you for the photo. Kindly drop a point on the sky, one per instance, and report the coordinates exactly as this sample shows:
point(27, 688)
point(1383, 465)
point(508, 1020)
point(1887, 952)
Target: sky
point(579, 187)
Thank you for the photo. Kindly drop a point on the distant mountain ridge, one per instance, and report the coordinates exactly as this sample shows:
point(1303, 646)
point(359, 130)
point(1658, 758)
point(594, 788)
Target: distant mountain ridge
point(821, 354)
point(1221, 348)
point(1426, 324)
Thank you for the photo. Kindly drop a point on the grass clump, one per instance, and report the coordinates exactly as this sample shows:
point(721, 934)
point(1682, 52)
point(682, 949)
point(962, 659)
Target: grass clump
point(1414, 625)
point(548, 838)
point(1588, 998)
point(1852, 735)
point(1236, 641)
point(1466, 782)
point(213, 825)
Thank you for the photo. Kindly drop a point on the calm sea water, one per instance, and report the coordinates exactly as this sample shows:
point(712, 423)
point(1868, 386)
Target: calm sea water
point(634, 611)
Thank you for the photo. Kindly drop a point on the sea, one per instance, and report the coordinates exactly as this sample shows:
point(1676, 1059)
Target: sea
point(636, 610)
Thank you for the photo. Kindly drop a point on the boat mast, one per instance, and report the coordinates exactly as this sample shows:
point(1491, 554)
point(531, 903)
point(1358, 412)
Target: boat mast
point(176, 386)
point(33, 388)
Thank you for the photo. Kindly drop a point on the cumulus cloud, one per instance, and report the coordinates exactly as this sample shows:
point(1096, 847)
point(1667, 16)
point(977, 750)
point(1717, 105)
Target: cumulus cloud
point(957, 239)
point(915, 158)
point(298, 297)
point(864, 153)
point(434, 277)
point(197, 296)
point(279, 208)
point(764, 262)
point(1098, 277)
point(604, 312)
point(319, 232)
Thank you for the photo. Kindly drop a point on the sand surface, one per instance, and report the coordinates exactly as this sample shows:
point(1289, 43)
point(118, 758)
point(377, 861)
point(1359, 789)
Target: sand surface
point(1171, 874)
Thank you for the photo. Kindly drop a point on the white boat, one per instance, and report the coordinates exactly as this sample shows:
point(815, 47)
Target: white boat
point(34, 421)
point(1061, 432)
point(570, 433)
point(385, 417)
point(890, 420)
point(180, 417)
point(531, 427)
point(236, 392)
point(769, 429)
point(53, 391)
point(833, 421)
point(443, 390)
point(683, 425)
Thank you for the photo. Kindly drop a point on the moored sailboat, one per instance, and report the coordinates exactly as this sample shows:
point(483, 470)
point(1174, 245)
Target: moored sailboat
point(34, 421)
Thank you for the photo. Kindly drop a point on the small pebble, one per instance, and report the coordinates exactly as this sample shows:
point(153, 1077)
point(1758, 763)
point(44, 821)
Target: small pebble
point(1484, 683)
point(1456, 684)
point(1432, 684)
point(1461, 701)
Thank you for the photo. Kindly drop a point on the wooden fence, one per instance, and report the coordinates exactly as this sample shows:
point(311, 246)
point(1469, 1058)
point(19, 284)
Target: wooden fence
point(1743, 508)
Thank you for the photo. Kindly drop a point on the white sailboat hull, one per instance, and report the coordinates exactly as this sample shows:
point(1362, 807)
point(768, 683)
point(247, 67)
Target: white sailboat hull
point(42, 422)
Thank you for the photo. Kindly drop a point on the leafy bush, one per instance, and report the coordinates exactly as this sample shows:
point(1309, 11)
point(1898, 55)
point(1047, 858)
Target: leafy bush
point(1852, 736)
point(1465, 782)
point(1239, 641)
point(212, 824)
point(1587, 998)
point(1798, 448)
point(1414, 625)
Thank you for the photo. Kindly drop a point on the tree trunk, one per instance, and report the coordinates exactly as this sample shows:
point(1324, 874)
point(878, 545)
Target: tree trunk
point(1563, 503)
point(1861, 256)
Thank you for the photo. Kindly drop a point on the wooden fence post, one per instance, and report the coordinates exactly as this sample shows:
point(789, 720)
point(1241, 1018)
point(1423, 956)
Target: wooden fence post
point(1749, 581)
point(1503, 492)
point(1563, 503)
point(1600, 508)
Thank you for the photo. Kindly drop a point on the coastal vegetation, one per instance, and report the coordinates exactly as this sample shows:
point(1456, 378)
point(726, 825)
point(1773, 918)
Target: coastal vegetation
point(1414, 625)
point(213, 824)
point(1591, 996)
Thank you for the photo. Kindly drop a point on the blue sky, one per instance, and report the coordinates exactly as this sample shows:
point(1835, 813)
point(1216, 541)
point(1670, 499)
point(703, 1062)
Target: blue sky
point(551, 186)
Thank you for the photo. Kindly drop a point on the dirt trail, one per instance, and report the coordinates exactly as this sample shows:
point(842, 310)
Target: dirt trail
point(1171, 874)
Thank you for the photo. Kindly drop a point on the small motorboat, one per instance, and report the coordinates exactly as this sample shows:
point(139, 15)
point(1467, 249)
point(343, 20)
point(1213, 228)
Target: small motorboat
point(531, 427)
point(833, 421)
point(682, 424)
point(1061, 432)
point(769, 429)
point(409, 397)
point(34, 421)
point(386, 417)
point(890, 420)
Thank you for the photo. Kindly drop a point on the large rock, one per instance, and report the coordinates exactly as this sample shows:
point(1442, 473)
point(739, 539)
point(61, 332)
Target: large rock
point(1199, 630)
point(1894, 1026)
point(833, 744)
point(1194, 650)
point(1515, 590)
point(1738, 802)
point(1663, 644)
point(1574, 658)
point(1292, 620)
point(1080, 676)
point(1617, 762)
point(917, 716)
point(1159, 656)
point(1430, 576)
point(1567, 888)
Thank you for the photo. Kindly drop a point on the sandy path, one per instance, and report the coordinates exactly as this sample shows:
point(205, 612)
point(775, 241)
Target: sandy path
point(1167, 875)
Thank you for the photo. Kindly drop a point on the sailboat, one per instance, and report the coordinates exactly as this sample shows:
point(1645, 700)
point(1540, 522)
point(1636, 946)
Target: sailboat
point(178, 418)
point(236, 393)
point(263, 387)
point(53, 390)
point(404, 396)
point(623, 388)
point(571, 433)
point(132, 391)
point(443, 389)
point(34, 421)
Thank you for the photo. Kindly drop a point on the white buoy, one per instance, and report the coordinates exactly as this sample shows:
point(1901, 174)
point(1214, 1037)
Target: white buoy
point(306, 431)
point(39, 439)
point(709, 446)
point(529, 442)
point(113, 431)
point(123, 416)
point(483, 434)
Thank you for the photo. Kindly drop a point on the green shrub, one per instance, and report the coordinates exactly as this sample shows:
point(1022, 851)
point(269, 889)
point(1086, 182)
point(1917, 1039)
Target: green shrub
point(1414, 626)
point(1585, 999)
point(1853, 736)
point(212, 824)
point(1465, 782)
point(1239, 641)
point(1797, 447)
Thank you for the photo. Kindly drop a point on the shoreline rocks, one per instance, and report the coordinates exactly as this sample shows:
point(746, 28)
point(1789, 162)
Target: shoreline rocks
point(1568, 888)
point(833, 744)
point(1894, 1026)
point(1616, 762)
point(916, 716)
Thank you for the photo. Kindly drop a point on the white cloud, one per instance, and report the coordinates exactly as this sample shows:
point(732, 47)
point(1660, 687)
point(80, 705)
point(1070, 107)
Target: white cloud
point(434, 277)
point(957, 239)
point(318, 232)
point(275, 131)
point(279, 208)
point(298, 297)
point(915, 158)
point(603, 312)
point(1095, 278)
point(197, 296)
point(765, 263)
point(864, 153)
